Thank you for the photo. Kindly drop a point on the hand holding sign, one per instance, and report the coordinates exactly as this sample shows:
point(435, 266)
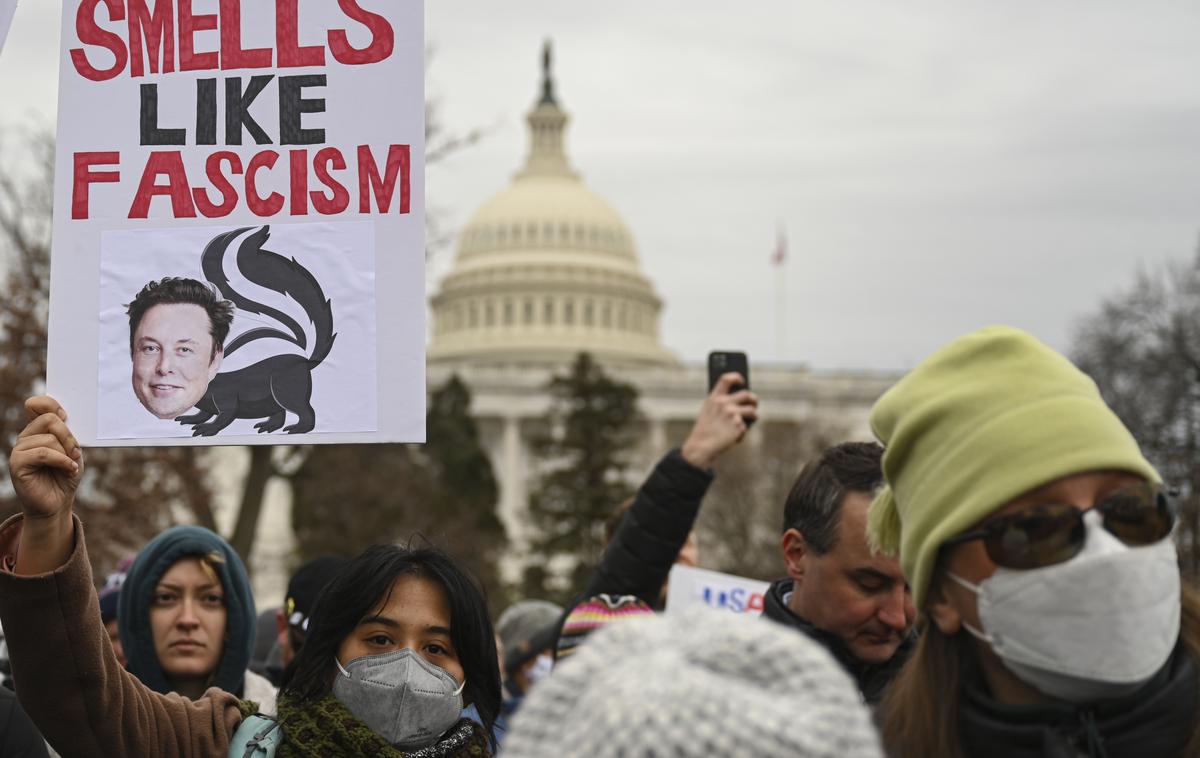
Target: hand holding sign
point(721, 423)
point(46, 466)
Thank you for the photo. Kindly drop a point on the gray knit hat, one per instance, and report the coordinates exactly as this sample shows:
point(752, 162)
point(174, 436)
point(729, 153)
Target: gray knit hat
point(698, 683)
point(526, 629)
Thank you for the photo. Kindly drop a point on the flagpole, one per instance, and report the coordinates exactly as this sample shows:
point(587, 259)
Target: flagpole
point(779, 260)
point(780, 314)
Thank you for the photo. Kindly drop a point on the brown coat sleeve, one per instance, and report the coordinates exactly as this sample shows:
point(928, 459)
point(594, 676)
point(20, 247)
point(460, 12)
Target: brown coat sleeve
point(68, 679)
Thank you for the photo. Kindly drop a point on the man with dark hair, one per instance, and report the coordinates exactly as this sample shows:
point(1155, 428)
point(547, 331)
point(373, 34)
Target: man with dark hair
point(853, 601)
point(177, 331)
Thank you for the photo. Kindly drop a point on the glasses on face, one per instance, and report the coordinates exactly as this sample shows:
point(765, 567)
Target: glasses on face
point(1044, 535)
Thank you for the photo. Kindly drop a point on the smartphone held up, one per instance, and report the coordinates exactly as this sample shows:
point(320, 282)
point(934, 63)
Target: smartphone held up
point(722, 362)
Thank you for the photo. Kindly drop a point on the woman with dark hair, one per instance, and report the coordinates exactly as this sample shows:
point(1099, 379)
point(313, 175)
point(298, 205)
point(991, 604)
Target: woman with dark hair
point(397, 644)
point(1038, 543)
point(390, 613)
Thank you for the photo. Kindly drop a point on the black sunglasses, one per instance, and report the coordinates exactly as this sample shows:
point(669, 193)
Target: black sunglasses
point(1044, 535)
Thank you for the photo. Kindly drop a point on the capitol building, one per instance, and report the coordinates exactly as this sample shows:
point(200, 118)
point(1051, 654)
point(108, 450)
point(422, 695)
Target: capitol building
point(544, 270)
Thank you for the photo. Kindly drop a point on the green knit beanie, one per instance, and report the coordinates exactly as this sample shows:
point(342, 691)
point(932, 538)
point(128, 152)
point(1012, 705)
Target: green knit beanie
point(985, 419)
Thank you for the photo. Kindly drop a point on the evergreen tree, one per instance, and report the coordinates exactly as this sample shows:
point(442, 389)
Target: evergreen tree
point(453, 446)
point(591, 429)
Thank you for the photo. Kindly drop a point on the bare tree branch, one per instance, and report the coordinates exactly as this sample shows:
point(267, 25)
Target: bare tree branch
point(1143, 350)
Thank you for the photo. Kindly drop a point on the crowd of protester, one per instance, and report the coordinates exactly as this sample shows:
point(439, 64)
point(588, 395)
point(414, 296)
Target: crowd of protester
point(994, 576)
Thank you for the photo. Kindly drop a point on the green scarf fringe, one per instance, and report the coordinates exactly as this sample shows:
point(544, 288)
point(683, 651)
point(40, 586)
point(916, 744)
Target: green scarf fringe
point(326, 728)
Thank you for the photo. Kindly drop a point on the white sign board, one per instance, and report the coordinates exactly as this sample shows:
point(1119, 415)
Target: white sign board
point(688, 587)
point(7, 9)
point(239, 222)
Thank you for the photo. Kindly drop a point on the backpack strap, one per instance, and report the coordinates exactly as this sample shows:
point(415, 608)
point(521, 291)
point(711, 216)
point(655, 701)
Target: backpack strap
point(257, 734)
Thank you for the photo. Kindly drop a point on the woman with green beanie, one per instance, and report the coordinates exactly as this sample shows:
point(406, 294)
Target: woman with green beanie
point(187, 617)
point(1037, 541)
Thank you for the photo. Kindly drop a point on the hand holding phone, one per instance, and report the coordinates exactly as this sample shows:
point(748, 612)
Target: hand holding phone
point(722, 362)
point(727, 413)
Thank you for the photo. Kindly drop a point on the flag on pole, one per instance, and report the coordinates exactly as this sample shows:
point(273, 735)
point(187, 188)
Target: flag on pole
point(780, 255)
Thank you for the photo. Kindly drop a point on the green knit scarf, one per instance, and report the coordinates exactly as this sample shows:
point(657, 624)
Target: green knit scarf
point(327, 728)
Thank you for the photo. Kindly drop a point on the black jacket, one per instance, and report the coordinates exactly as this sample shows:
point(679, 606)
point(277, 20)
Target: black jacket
point(648, 539)
point(872, 678)
point(652, 532)
point(19, 738)
point(1156, 721)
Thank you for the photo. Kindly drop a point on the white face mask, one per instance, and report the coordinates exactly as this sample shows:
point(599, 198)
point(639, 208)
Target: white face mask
point(540, 669)
point(1095, 627)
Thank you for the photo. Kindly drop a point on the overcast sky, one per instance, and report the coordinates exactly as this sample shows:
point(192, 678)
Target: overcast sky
point(936, 166)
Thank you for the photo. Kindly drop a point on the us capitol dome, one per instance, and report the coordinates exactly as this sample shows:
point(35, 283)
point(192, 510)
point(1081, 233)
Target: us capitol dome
point(546, 269)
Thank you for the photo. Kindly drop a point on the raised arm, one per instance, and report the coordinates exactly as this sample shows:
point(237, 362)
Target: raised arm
point(46, 466)
point(656, 526)
point(64, 669)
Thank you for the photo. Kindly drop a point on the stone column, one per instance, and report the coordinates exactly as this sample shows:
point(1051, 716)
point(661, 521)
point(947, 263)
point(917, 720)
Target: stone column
point(514, 495)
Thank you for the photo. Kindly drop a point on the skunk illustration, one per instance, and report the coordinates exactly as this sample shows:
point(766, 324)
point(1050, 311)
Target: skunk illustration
point(273, 386)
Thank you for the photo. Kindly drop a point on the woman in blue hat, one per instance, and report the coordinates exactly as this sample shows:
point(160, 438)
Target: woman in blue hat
point(187, 618)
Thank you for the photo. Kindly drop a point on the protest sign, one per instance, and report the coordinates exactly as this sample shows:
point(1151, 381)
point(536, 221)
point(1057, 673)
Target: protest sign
point(238, 251)
point(688, 587)
point(7, 9)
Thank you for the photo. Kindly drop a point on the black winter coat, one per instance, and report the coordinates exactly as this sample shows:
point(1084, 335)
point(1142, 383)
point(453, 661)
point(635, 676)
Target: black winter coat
point(19, 738)
point(652, 532)
point(1157, 721)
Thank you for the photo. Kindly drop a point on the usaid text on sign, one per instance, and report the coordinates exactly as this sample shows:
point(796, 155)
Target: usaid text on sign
point(736, 599)
point(689, 586)
point(161, 38)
